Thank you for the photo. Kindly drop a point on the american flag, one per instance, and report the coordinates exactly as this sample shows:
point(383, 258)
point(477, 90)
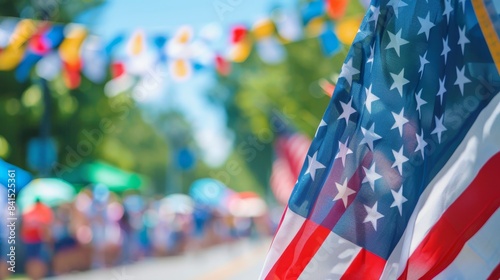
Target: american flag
point(401, 180)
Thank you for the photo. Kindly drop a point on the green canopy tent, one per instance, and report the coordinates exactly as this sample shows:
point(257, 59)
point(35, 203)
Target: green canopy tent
point(117, 180)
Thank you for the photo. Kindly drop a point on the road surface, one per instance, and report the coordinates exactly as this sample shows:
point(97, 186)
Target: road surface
point(241, 260)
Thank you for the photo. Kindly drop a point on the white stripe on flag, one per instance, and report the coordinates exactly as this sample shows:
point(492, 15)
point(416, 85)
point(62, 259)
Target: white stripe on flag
point(289, 227)
point(332, 259)
point(479, 145)
point(479, 256)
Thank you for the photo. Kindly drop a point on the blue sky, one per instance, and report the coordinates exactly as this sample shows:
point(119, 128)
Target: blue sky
point(164, 17)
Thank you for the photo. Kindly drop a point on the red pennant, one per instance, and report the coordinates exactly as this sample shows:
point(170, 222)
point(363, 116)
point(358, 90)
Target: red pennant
point(71, 74)
point(336, 8)
point(223, 66)
point(238, 34)
point(117, 69)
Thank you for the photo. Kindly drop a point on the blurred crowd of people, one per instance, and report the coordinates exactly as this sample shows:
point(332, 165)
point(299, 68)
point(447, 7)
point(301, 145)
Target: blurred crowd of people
point(101, 229)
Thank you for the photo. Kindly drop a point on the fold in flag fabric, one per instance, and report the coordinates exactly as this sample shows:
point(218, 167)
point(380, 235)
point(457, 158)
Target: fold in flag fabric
point(401, 180)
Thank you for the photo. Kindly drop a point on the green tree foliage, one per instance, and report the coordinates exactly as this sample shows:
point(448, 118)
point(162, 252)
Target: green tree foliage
point(61, 11)
point(255, 93)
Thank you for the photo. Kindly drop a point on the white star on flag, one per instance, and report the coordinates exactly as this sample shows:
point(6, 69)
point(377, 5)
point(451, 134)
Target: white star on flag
point(371, 176)
point(370, 58)
point(372, 215)
point(447, 10)
point(439, 127)
point(343, 192)
point(369, 136)
point(420, 103)
point(348, 71)
point(442, 90)
point(399, 121)
point(399, 199)
point(396, 4)
point(425, 26)
point(461, 79)
point(446, 49)
point(321, 124)
point(347, 110)
point(399, 159)
point(420, 143)
point(313, 165)
point(370, 98)
point(423, 62)
point(399, 81)
point(343, 151)
point(375, 14)
point(396, 41)
point(463, 39)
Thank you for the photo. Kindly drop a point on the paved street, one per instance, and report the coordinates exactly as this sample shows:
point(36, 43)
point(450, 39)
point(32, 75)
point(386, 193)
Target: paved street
point(242, 260)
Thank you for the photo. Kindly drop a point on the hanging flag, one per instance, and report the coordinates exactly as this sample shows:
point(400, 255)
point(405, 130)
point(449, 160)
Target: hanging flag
point(315, 27)
point(330, 44)
point(401, 180)
point(269, 48)
point(94, 59)
point(211, 33)
point(181, 69)
point(159, 42)
point(139, 59)
point(13, 53)
point(222, 66)
point(135, 45)
point(347, 29)
point(263, 28)
point(179, 52)
point(336, 8)
point(312, 10)
point(289, 25)
point(41, 43)
point(49, 67)
point(70, 54)
point(291, 150)
point(241, 44)
point(117, 69)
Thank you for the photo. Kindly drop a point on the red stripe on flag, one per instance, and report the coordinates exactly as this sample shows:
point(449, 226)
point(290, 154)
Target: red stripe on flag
point(459, 223)
point(366, 265)
point(299, 252)
point(495, 275)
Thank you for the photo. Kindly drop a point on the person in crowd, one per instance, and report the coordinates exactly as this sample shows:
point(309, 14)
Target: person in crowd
point(97, 219)
point(35, 234)
point(65, 245)
point(201, 216)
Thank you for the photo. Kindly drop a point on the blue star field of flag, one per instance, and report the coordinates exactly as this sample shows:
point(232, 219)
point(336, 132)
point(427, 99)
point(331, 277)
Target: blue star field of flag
point(409, 89)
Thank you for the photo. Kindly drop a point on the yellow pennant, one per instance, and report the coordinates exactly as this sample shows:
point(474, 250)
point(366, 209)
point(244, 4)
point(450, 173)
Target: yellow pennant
point(12, 55)
point(347, 29)
point(136, 43)
point(263, 28)
point(240, 51)
point(70, 47)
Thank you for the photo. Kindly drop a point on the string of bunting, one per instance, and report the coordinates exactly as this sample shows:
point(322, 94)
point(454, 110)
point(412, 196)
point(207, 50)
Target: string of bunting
point(48, 50)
